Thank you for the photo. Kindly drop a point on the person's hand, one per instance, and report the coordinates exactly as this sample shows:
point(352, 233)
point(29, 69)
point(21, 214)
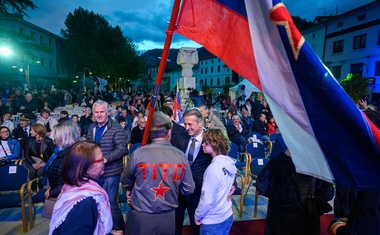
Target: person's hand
point(36, 166)
point(42, 164)
point(197, 222)
point(232, 190)
point(363, 104)
point(129, 195)
point(22, 107)
point(117, 232)
point(47, 193)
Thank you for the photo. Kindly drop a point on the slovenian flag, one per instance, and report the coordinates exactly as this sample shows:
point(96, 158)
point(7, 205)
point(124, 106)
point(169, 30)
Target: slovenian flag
point(327, 135)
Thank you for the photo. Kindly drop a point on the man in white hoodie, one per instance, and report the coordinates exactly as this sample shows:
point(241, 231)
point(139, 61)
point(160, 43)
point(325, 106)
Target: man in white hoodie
point(214, 212)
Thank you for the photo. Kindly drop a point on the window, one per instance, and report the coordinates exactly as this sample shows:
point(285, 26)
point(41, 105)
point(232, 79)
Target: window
point(227, 80)
point(218, 82)
point(336, 71)
point(41, 39)
point(360, 41)
point(361, 17)
point(313, 36)
point(338, 46)
point(21, 30)
point(33, 35)
point(51, 64)
point(205, 70)
point(218, 68)
point(340, 24)
point(201, 70)
point(43, 62)
point(377, 68)
point(211, 81)
point(212, 69)
point(50, 42)
point(357, 68)
point(201, 82)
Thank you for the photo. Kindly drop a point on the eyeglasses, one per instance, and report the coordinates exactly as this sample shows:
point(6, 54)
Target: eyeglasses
point(99, 160)
point(4, 132)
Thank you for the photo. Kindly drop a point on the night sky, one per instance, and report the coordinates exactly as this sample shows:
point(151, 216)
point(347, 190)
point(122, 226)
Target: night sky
point(144, 21)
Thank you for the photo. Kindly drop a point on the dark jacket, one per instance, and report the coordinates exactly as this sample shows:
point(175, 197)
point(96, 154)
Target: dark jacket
point(260, 127)
point(19, 134)
point(235, 134)
point(176, 131)
point(31, 150)
point(113, 145)
point(287, 192)
point(54, 174)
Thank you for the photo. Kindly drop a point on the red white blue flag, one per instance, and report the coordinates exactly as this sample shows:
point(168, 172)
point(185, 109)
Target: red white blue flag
point(327, 135)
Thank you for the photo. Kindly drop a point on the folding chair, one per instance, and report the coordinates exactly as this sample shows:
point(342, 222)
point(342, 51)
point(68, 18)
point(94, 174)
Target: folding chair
point(13, 189)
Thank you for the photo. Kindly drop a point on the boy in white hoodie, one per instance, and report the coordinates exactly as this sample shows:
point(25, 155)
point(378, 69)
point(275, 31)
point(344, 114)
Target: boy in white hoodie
point(214, 212)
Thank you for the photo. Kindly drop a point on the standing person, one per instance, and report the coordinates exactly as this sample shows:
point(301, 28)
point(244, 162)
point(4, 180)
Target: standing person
point(176, 128)
point(86, 120)
point(38, 150)
point(82, 207)
point(65, 136)
point(190, 143)
point(112, 139)
point(287, 192)
point(211, 121)
point(214, 213)
point(153, 178)
point(48, 121)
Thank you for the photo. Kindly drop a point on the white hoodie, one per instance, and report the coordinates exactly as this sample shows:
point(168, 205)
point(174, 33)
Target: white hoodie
point(213, 207)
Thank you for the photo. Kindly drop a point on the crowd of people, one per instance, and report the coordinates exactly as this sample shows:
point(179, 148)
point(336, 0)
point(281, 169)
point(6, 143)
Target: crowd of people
point(185, 165)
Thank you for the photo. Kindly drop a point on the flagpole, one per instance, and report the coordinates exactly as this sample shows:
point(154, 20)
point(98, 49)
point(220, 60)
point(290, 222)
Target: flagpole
point(161, 69)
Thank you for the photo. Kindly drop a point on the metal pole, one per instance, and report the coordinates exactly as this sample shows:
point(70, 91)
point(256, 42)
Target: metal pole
point(27, 75)
point(161, 69)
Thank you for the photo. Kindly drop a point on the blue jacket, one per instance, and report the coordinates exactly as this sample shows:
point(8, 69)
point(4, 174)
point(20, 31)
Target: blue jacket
point(15, 148)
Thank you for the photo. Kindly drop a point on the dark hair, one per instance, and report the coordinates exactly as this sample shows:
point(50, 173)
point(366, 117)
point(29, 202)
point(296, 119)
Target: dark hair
point(79, 159)
point(75, 115)
point(167, 110)
point(65, 112)
point(218, 140)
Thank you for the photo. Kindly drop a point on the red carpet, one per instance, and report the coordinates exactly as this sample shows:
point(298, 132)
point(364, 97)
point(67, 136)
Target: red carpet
point(256, 227)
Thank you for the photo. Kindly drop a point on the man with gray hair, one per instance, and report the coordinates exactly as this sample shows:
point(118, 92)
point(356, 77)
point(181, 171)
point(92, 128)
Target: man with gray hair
point(112, 140)
point(210, 119)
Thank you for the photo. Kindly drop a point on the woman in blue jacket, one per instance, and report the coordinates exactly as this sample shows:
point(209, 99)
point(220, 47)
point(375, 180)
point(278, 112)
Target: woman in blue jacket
point(9, 148)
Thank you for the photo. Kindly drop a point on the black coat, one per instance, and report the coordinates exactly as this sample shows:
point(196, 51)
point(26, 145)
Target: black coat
point(31, 150)
point(287, 192)
point(19, 134)
point(54, 174)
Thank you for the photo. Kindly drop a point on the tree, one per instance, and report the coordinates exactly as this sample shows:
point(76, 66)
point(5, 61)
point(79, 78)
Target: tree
point(356, 86)
point(17, 6)
point(94, 44)
point(302, 23)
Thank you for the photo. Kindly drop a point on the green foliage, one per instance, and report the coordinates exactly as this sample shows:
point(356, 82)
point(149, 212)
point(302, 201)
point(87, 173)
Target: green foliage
point(95, 44)
point(226, 89)
point(206, 89)
point(302, 23)
point(17, 6)
point(356, 86)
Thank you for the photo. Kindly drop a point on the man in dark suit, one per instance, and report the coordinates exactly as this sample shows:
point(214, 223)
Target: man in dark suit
point(138, 131)
point(22, 131)
point(190, 143)
point(176, 128)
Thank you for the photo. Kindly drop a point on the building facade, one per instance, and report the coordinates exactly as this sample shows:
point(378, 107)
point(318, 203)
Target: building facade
point(36, 58)
point(350, 43)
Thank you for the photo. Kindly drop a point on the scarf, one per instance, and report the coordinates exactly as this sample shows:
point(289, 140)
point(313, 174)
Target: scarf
point(71, 195)
point(57, 150)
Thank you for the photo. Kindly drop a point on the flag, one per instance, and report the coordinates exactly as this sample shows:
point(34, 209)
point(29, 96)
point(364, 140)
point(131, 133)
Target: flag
point(327, 135)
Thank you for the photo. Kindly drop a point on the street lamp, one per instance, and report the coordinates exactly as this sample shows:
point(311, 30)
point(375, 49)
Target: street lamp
point(5, 51)
point(84, 77)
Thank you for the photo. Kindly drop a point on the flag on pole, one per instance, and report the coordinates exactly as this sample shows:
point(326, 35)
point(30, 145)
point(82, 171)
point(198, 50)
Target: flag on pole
point(327, 135)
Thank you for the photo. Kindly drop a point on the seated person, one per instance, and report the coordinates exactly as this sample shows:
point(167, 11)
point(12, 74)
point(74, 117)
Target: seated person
point(237, 132)
point(261, 126)
point(10, 148)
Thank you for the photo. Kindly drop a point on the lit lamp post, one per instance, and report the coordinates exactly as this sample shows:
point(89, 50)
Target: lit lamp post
point(84, 77)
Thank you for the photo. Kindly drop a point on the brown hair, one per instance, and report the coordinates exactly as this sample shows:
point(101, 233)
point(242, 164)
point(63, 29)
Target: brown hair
point(79, 159)
point(218, 140)
point(39, 129)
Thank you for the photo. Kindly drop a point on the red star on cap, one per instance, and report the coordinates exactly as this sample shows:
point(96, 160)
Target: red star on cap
point(280, 16)
point(160, 191)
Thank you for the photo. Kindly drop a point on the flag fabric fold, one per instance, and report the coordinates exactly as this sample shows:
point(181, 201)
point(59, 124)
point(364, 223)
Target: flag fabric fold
point(327, 135)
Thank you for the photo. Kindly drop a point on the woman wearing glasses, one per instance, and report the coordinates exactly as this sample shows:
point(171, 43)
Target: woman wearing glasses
point(81, 195)
point(9, 148)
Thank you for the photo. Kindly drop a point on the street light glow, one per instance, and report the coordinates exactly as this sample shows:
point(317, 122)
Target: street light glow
point(5, 51)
